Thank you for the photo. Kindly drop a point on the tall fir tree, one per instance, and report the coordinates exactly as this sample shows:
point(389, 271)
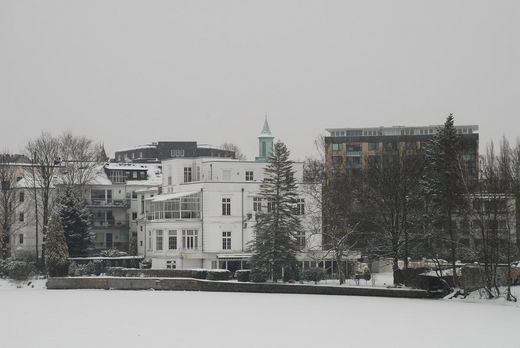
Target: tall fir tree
point(56, 251)
point(275, 244)
point(444, 185)
point(76, 220)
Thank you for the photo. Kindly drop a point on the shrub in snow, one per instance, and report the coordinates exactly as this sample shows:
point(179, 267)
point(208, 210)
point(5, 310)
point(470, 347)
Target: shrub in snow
point(145, 264)
point(3, 268)
point(218, 274)
point(56, 250)
point(313, 275)
point(115, 272)
point(114, 253)
point(243, 275)
point(199, 273)
point(367, 275)
point(258, 276)
point(20, 270)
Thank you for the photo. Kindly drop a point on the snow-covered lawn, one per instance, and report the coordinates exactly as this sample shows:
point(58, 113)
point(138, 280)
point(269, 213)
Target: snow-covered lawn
point(36, 317)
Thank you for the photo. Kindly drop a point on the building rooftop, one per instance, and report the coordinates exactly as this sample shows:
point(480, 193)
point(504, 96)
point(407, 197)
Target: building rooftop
point(396, 130)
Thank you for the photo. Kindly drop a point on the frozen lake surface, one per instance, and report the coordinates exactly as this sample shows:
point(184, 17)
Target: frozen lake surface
point(36, 317)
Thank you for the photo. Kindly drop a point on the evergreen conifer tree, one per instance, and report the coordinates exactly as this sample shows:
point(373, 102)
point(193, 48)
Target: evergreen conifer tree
point(443, 183)
point(75, 218)
point(56, 251)
point(275, 244)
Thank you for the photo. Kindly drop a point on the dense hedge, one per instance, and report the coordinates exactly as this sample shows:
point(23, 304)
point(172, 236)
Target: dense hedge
point(243, 275)
point(169, 273)
point(313, 275)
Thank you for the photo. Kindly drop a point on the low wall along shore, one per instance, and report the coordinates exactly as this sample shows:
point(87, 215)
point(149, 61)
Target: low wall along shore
point(188, 284)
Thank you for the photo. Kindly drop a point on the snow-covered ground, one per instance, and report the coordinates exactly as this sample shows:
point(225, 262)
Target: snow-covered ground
point(36, 317)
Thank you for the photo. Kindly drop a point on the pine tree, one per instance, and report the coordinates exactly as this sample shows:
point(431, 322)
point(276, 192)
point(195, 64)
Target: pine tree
point(75, 218)
point(443, 183)
point(56, 251)
point(275, 245)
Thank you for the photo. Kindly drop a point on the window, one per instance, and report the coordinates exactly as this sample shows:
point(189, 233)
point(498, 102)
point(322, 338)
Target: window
point(134, 175)
point(300, 206)
point(172, 240)
point(373, 146)
point(337, 159)
point(353, 148)
point(134, 215)
point(249, 175)
point(226, 206)
point(22, 197)
point(134, 195)
point(21, 217)
point(171, 264)
point(149, 240)
point(226, 240)
point(189, 239)
point(353, 162)
point(159, 240)
point(187, 174)
point(257, 204)
point(177, 152)
point(169, 180)
point(142, 204)
point(411, 145)
point(337, 147)
point(301, 239)
point(270, 205)
point(20, 239)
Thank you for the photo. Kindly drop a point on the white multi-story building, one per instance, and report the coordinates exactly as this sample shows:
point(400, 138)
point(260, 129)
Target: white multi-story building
point(205, 215)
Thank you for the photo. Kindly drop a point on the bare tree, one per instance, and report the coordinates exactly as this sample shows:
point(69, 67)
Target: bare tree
point(9, 202)
point(335, 221)
point(233, 147)
point(45, 152)
point(390, 186)
point(80, 156)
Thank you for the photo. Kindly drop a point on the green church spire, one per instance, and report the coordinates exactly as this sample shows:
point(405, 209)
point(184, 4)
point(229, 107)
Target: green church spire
point(265, 142)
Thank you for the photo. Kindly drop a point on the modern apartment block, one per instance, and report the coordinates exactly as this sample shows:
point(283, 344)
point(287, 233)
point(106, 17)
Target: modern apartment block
point(352, 148)
point(164, 150)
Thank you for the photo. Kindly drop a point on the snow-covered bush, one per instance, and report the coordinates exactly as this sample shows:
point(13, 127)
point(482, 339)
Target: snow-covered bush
point(20, 270)
point(243, 275)
point(218, 274)
point(199, 273)
point(3, 268)
point(145, 264)
point(112, 253)
point(313, 275)
point(258, 276)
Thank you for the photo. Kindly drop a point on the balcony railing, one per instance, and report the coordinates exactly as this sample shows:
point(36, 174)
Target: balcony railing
point(115, 203)
point(110, 223)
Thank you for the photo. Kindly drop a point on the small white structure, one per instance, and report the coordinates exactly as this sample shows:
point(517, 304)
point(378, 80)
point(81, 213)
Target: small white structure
point(205, 215)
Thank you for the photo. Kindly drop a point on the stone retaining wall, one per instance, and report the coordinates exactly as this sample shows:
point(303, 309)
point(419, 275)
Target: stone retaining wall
point(187, 284)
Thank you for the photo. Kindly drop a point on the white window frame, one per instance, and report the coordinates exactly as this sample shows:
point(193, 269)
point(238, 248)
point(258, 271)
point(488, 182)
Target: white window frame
point(190, 239)
point(172, 235)
point(159, 240)
point(250, 175)
point(226, 206)
point(226, 240)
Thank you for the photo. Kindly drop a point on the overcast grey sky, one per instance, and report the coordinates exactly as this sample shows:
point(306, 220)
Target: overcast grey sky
point(129, 72)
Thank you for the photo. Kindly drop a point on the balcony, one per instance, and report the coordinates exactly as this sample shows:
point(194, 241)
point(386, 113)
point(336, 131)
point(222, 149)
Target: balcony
point(110, 223)
point(116, 203)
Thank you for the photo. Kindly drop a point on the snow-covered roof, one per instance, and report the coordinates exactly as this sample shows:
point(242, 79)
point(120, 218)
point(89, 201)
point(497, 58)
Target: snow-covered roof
point(125, 166)
point(170, 196)
point(138, 147)
point(154, 176)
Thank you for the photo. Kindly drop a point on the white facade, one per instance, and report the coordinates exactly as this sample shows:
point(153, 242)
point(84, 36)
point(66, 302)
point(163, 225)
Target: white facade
point(205, 216)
